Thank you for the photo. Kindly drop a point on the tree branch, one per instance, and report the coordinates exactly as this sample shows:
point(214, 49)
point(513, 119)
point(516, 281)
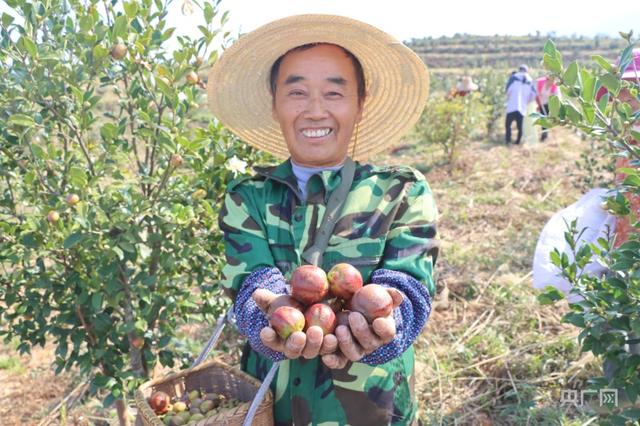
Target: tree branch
point(129, 317)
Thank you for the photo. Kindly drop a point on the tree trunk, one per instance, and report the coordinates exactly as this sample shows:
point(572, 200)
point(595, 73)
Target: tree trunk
point(123, 412)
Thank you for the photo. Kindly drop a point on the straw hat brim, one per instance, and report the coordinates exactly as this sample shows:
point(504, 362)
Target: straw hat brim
point(397, 81)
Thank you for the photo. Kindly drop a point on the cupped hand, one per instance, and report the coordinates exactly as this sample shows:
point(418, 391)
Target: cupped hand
point(307, 344)
point(360, 338)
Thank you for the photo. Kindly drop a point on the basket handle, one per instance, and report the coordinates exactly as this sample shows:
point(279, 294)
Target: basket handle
point(264, 386)
point(262, 390)
point(217, 331)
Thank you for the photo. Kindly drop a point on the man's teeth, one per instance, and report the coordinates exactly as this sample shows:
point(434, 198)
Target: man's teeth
point(316, 133)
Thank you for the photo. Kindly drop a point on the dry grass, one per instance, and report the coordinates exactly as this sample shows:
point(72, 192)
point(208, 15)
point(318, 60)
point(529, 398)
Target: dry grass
point(490, 353)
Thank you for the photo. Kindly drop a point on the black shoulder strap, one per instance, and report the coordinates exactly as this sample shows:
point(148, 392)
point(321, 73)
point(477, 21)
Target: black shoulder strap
point(313, 255)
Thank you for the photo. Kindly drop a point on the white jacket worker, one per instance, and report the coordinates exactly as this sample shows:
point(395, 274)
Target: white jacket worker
point(520, 93)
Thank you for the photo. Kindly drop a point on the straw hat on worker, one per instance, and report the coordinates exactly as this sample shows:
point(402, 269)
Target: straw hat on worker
point(396, 81)
point(466, 84)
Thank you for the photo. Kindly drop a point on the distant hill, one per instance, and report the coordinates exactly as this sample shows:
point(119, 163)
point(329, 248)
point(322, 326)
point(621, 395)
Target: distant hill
point(472, 51)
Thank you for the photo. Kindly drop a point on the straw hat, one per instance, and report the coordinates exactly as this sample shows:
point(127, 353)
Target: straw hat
point(396, 78)
point(466, 84)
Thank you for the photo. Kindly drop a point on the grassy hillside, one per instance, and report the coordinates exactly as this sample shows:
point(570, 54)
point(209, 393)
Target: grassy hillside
point(469, 51)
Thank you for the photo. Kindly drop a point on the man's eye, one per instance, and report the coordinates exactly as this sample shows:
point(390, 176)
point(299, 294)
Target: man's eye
point(334, 95)
point(296, 93)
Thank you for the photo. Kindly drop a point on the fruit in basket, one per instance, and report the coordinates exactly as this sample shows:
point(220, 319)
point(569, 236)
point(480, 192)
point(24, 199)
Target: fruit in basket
point(309, 284)
point(322, 315)
point(206, 405)
point(344, 280)
point(285, 320)
point(180, 419)
point(179, 406)
point(167, 420)
point(193, 394)
point(159, 402)
point(195, 404)
point(196, 417)
point(373, 301)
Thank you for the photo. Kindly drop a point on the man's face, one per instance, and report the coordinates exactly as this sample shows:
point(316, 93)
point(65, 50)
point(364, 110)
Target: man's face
point(316, 104)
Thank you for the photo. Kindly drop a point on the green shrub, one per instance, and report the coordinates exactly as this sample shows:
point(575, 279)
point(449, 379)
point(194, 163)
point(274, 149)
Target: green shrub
point(608, 316)
point(108, 187)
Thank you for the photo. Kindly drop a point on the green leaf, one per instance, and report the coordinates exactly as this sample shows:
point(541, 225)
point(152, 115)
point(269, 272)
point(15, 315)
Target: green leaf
point(550, 48)
point(109, 131)
point(554, 106)
point(625, 58)
point(21, 120)
point(604, 64)
point(571, 74)
point(209, 13)
point(6, 19)
point(96, 301)
point(127, 246)
point(120, 27)
point(552, 64)
point(574, 114)
point(550, 296)
point(118, 251)
point(38, 152)
point(589, 113)
point(77, 177)
point(588, 85)
point(26, 44)
point(99, 52)
point(612, 83)
point(131, 9)
point(73, 239)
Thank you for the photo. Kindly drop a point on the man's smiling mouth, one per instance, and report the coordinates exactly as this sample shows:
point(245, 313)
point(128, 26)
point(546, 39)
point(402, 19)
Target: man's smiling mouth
point(316, 133)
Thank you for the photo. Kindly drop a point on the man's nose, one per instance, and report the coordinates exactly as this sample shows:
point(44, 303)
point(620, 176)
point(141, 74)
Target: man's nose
point(316, 108)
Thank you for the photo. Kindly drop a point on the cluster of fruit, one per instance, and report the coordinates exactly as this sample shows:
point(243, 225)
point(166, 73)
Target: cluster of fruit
point(196, 406)
point(326, 299)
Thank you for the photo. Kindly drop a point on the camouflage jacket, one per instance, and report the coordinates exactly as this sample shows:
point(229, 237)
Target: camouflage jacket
point(388, 221)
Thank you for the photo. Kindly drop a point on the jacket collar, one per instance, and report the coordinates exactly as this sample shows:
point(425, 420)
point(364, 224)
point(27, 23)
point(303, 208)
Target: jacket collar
point(321, 184)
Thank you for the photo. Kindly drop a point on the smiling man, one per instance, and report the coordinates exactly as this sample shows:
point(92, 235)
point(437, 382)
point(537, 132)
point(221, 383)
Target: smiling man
point(317, 102)
point(322, 91)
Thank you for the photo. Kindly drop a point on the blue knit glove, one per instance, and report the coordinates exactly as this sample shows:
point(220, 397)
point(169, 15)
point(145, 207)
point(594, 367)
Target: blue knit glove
point(410, 316)
point(249, 318)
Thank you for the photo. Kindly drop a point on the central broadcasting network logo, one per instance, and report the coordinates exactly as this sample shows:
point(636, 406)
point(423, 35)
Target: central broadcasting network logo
point(606, 397)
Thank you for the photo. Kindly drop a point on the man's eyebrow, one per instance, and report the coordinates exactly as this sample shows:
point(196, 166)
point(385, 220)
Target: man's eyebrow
point(293, 78)
point(337, 80)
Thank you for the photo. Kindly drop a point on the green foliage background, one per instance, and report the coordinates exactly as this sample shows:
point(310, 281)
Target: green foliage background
point(113, 279)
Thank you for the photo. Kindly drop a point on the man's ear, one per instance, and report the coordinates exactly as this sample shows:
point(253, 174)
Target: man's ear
point(273, 106)
point(360, 111)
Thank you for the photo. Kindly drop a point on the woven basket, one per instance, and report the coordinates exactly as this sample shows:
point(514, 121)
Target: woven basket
point(212, 376)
